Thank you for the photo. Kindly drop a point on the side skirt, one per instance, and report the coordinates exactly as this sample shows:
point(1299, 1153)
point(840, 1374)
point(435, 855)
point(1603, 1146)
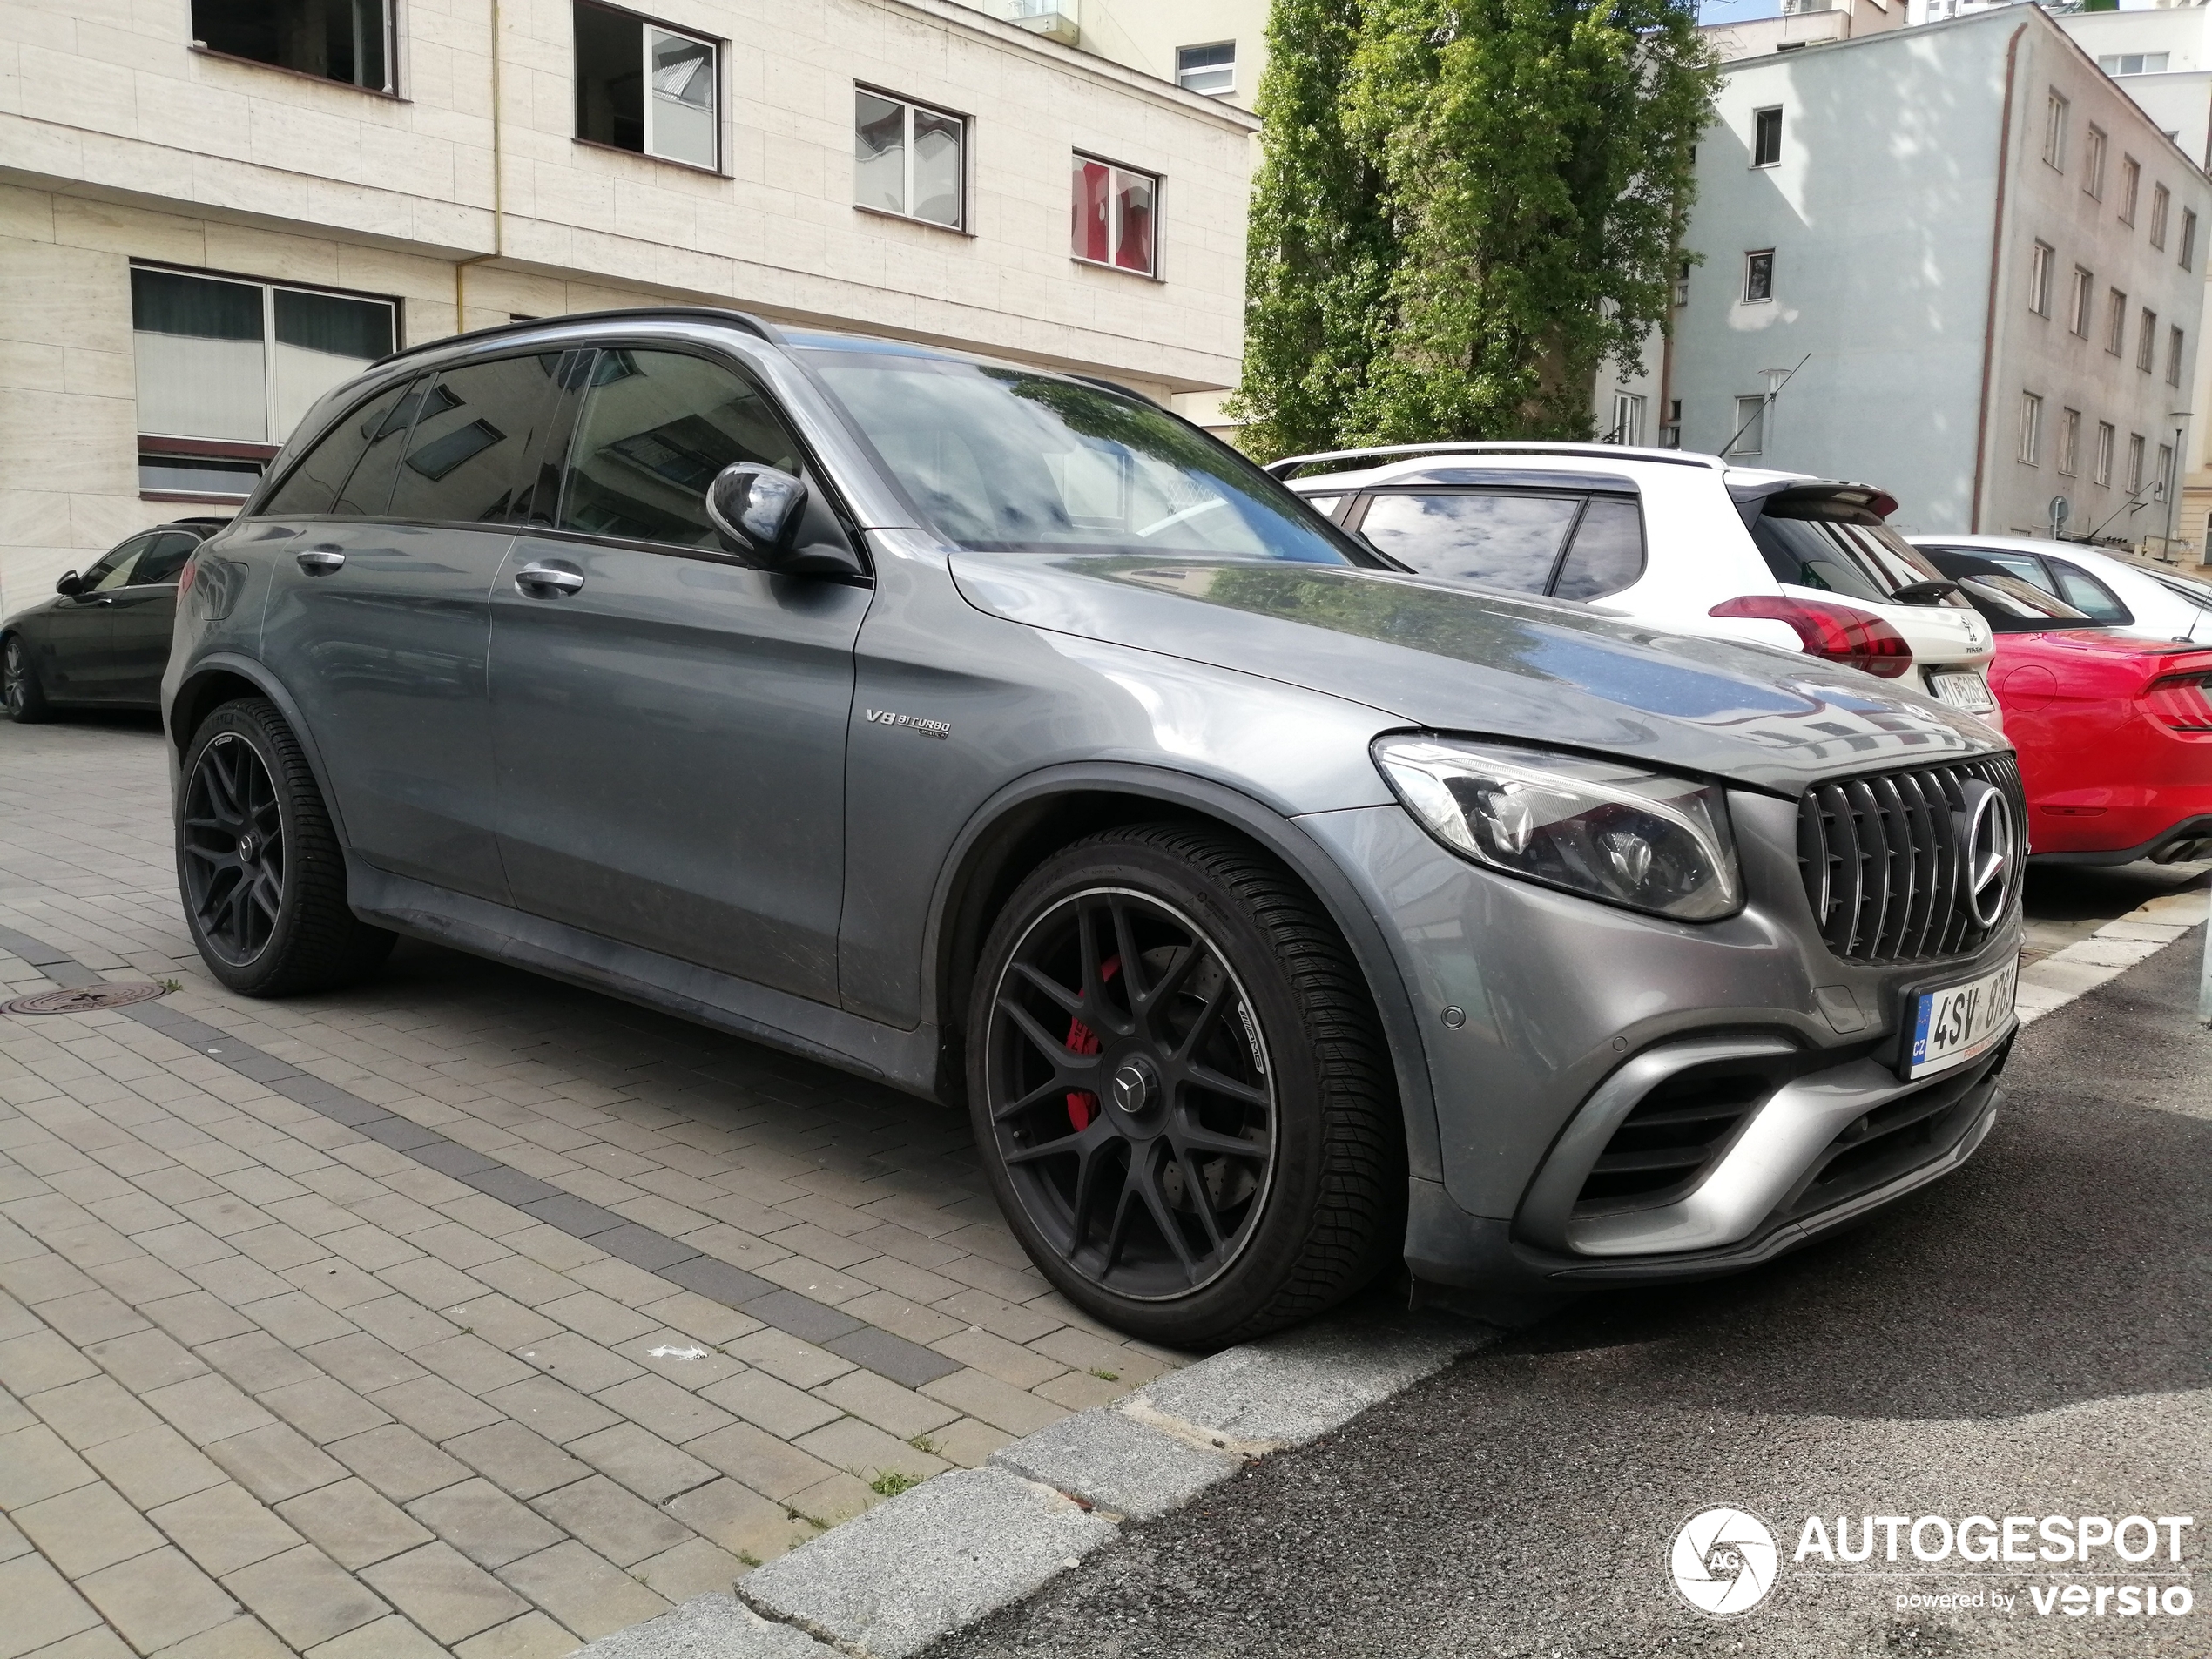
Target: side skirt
point(904, 1060)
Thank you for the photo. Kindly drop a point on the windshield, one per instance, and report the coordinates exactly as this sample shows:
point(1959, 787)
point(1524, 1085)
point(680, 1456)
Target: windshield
point(999, 458)
point(1835, 548)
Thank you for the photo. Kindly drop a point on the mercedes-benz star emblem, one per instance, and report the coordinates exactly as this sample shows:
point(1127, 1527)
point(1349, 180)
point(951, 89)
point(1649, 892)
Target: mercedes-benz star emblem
point(1131, 1086)
point(1987, 853)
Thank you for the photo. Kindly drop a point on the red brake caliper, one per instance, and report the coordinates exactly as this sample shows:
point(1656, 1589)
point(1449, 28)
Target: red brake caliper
point(1083, 1105)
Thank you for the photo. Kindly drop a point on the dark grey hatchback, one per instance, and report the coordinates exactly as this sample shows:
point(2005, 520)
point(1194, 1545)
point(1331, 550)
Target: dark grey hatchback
point(1278, 916)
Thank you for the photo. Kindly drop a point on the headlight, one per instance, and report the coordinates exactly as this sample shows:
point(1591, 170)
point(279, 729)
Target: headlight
point(1600, 828)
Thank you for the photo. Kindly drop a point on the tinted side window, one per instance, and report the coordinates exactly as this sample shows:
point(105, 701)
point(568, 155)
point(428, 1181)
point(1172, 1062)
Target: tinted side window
point(468, 458)
point(161, 562)
point(657, 427)
point(1505, 541)
point(1607, 553)
point(2087, 595)
point(367, 491)
point(312, 487)
point(114, 567)
point(2022, 565)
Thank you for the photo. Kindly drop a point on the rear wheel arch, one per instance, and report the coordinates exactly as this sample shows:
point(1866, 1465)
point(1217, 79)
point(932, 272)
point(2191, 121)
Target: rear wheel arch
point(226, 678)
point(1029, 820)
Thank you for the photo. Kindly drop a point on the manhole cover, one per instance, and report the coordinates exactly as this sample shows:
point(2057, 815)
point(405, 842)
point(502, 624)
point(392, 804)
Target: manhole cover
point(83, 999)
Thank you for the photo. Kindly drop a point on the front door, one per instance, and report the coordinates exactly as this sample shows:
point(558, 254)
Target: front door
point(669, 722)
point(73, 644)
point(379, 621)
point(142, 615)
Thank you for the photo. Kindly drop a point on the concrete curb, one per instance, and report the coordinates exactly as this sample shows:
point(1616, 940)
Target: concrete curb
point(935, 1560)
point(2067, 974)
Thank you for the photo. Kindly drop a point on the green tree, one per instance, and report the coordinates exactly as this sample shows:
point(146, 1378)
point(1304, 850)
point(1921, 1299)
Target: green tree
point(1531, 162)
point(1322, 245)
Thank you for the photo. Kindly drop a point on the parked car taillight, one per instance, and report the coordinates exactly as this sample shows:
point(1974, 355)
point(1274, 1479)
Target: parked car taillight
point(2181, 701)
point(1840, 633)
point(184, 576)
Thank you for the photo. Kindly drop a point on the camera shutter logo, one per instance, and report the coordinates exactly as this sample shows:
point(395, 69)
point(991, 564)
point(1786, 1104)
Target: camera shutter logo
point(1725, 1561)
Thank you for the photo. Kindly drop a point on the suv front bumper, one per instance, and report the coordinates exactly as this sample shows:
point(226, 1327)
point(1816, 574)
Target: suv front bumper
point(1546, 1019)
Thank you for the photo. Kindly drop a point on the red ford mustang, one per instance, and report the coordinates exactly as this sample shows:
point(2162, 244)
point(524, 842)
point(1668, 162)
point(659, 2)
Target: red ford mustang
point(2114, 730)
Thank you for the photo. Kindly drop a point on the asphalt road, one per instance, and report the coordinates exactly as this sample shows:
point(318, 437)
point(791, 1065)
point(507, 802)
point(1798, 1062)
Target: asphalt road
point(2033, 1337)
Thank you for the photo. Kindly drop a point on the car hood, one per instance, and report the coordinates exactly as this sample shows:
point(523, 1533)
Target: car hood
point(1449, 659)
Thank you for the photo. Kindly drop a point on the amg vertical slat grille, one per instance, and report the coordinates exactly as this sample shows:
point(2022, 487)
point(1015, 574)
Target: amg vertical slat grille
point(1882, 861)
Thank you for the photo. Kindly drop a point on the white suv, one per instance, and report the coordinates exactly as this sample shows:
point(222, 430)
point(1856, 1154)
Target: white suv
point(1680, 540)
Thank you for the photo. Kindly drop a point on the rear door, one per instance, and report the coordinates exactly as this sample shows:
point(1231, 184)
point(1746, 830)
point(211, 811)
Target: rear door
point(670, 723)
point(379, 620)
point(142, 613)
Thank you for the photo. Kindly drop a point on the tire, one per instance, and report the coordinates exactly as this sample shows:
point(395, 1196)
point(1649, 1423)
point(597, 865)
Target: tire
point(1233, 1091)
point(258, 865)
point(25, 696)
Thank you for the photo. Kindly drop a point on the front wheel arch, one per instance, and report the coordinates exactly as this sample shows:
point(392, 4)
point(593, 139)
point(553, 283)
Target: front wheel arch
point(1032, 819)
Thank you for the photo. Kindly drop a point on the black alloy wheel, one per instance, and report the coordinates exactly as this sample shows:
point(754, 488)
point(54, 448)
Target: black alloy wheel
point(258, 861)
point(1180, 1089)
point(231, 846)
point(19, 687)
point(1131, 1096)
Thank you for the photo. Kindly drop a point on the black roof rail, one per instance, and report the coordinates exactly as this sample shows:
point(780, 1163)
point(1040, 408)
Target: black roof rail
point(742, 320)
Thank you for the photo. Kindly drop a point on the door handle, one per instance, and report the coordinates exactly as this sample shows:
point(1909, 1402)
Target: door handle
point(321, 560)
point(540, 580)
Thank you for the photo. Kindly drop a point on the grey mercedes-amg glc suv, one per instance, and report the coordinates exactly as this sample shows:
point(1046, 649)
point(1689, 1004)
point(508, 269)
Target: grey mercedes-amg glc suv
point(1278, 915)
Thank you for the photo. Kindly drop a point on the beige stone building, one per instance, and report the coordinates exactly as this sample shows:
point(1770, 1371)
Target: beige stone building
point(211, 210)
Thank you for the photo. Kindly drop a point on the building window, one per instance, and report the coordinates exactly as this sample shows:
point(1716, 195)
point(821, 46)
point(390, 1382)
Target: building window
point(2132, 62)
point(2116, 323)
point(1210, 70)
point(2054, 132)
point(2161, 201)
point(2164, 478)
point(2135, 462)
point(2039, 279)
point(1114, 216)
point(2069, 441)
point(2093, 163)
point(2031, 428)
point(2103, 477)
point(1759, 275)
point(1670, 434)
point(2078, 305)
point(1627, 419)
point(2173, 342)
point(1681, 283)
point(2131, 181)
point(2188, 240)
point(335, 40)
point(908, 159)
point(2147, 340)
point(618, 56)
point(1751, 427)
point(226, 368)
point(1766, 138)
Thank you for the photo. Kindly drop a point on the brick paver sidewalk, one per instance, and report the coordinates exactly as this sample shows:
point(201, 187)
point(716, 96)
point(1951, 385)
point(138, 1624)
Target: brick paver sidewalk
point(464, 1310)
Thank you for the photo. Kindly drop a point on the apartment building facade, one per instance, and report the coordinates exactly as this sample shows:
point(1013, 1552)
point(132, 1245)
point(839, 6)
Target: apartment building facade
point(1956, 262)
point(212, 210)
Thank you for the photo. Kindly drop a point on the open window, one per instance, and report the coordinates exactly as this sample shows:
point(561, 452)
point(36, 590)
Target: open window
point(349, 41)
point(644, 87)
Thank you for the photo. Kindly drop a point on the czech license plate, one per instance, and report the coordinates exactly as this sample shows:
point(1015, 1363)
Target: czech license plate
point(1963, 689)
point(1959, 1022)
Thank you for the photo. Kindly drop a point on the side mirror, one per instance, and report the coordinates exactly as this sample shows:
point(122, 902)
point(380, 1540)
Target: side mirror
point(755, 509)
point(70, 585)
point(761, 513)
